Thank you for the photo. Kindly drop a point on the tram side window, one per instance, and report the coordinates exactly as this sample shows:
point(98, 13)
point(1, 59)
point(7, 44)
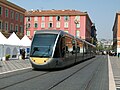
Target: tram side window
point(70, 48)
point(62, 44)
point(57, 50)
point(74, 48)
point(89, 49)
point(79, 46)
point(85, 48)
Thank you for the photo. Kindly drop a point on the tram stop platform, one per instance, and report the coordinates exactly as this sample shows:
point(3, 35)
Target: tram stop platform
point(113, 69)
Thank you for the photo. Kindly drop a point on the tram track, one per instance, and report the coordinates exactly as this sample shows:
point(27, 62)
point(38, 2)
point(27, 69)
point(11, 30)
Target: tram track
point(55, 85)
point(91, 79)
point(24, 80)
point(42, 74)
point(8, 75)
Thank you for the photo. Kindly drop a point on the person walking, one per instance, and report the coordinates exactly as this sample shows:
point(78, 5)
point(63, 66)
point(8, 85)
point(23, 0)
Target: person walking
point(118, 55)
point(23, 54)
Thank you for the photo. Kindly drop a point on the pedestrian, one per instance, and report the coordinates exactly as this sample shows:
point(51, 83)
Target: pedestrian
point(118, 55)
point(23, 54)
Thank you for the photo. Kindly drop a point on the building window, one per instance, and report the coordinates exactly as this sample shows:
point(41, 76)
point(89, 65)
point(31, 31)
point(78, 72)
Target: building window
point(78, 25)
point(77, 33)
point(66, 31)
point(35, 31)
point(16, 28)
point(57, 24)
point(21, 18)
point(6, 12)
point(28, 33)
point(43, 18)
point(35, 18)
point(50, 18)
point(28, 19)
point(11, 27)
point(65, 24)
point(16, 16)
point(66, 18)
point(12, 14)
point(58, 18)
point(43, 25)
point(0, 24)
point(50, 25)
point(6, 26)
point(36, 25)
point(28, 25)
point(21, 29)
point(3, 25)
point(77, 18)
point(0, 10)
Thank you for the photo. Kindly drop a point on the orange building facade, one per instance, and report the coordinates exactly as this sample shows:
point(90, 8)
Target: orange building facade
point(116, 33)
point(11, 19)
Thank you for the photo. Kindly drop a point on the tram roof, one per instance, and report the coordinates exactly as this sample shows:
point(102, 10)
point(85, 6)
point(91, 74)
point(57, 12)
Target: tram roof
point(52, 32)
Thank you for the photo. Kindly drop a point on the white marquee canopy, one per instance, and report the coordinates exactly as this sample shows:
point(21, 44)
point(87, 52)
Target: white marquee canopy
point(25, 41)
point(13, 39)
point(12, 45)
point(3, 39)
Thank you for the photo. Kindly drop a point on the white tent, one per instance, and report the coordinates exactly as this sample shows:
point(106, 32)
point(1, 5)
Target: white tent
point(3, 39)
point(12, 46)
point(25, 41)
point(13, 39)
point(9, 46)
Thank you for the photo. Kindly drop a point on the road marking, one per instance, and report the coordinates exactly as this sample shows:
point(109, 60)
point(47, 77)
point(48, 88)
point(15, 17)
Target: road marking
point(111, 77)
point(15, 70)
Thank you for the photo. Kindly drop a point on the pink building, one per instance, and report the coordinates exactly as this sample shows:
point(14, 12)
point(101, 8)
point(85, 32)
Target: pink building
point(74, 22)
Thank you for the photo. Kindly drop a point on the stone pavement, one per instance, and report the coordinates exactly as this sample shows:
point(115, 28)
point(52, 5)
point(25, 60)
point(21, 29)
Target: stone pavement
point(14, 65)
point(115, 63)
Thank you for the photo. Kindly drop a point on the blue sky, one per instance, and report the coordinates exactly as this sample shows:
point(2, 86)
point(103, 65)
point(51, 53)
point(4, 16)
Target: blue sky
point(101, 12)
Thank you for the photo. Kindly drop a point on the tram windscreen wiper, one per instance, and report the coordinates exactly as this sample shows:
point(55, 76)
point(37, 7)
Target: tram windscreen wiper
point(35, 49)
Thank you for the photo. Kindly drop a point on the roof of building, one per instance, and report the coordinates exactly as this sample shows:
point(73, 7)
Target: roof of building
point(12, 5)
point(115, 21)
point(53, 12)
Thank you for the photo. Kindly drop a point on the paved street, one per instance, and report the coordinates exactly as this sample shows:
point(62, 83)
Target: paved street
point(89, 75)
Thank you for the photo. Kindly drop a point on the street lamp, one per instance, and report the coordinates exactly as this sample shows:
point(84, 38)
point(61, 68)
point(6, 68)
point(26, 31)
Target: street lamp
point(76, 22)
point(26, 27)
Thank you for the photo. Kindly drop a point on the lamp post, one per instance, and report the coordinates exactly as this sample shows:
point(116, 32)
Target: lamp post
point(76, 22)
point(26, 27)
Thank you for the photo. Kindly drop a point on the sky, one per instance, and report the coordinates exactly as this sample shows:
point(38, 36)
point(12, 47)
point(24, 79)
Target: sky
point(101, 12)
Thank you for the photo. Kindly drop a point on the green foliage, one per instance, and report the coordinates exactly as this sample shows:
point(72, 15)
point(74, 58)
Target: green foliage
point(7, 56)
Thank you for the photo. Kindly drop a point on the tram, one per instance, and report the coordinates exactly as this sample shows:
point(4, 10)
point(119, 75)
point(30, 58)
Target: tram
point(57, 49)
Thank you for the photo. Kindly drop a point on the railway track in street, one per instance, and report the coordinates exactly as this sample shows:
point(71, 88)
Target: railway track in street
point(69, 76)
point(52, 80)
point(20, 80)
point(91, 82)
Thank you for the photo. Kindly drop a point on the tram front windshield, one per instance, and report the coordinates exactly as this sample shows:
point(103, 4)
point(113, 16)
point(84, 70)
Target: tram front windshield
point(42, 45)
